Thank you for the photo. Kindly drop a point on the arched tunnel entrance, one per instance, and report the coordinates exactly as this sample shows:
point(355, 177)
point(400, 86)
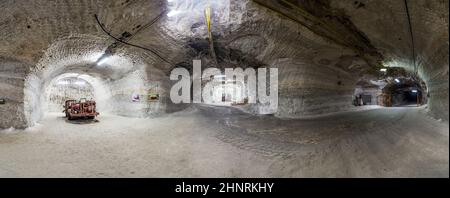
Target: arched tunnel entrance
point(66, 89)
point(405, 92)
point(359, 89)
point(112, 96)
point(71, 75)
point(73, 86)
point(396, 89)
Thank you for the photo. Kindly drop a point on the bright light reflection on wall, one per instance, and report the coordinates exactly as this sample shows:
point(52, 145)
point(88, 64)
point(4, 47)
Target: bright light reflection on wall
point(182, 14)
point(229, 93)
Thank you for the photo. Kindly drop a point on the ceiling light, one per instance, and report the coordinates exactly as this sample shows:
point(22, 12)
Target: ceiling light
point(220, 76)
point(102, 60)
point(173, 13)
point(63, 82)
point(414, 91)
point(383, 70)
point(80, 83)
point(397, 80)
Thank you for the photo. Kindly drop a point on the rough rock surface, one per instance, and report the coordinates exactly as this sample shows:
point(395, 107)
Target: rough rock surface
point(223, 143)
point(318, 73)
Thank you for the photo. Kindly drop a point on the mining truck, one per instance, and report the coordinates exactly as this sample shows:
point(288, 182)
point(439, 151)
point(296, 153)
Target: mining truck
point(82, 109)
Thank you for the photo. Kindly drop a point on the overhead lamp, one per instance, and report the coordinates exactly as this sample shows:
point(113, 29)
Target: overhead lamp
point(414, 91)
point(173, 13)
point(102, 60)
point(63, 82)
point(383, 69)
point(80, 83)
point(220, 76)
point(397, 80)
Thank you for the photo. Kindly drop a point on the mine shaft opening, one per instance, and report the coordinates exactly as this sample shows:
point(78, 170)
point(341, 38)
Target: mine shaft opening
point(67, 89)
point(393, 87)
point(87, 94)
point(405, 92)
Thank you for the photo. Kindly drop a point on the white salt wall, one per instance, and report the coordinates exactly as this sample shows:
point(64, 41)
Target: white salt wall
point(12, 73)
point(67, 89)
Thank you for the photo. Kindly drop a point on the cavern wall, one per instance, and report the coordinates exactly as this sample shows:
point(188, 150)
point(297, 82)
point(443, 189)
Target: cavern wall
point(308, 89)
point(12, 74)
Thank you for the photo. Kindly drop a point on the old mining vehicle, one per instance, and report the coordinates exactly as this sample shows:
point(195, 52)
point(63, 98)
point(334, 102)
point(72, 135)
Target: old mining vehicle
point(83, 108)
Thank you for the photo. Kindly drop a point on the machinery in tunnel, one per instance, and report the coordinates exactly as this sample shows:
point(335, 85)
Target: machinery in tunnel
point(64, 93)
point(75, 109)
point(69, 88)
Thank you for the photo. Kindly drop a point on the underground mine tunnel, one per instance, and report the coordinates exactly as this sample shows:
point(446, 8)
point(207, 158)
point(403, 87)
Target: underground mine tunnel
point(248, 88)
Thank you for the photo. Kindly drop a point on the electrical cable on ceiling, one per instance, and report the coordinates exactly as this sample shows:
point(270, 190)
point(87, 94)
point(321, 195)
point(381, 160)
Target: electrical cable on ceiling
point(130, 44)
point(412, 37)
point(149, 24)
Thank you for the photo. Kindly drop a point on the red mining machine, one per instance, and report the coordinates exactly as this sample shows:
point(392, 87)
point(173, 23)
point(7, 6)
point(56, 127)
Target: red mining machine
point(80, 109)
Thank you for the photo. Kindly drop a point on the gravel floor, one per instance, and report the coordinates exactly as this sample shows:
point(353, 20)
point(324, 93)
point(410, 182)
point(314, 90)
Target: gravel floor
point(224, 142)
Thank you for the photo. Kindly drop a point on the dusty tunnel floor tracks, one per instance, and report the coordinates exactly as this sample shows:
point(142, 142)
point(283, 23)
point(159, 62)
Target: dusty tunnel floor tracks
point(205, 141)
point(374, 143)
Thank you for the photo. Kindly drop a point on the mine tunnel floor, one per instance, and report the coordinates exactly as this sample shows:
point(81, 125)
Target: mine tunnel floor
point(224, 142)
